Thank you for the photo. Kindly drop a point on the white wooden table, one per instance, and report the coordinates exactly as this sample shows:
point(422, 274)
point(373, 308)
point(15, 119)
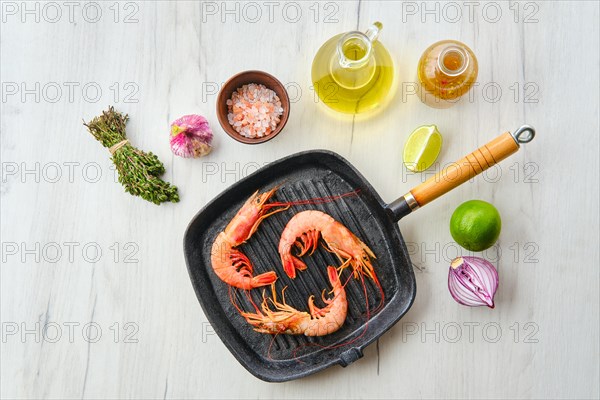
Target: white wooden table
point(95, 297)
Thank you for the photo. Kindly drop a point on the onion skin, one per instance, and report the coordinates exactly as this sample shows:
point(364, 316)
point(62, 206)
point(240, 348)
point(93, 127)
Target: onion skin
point(473, 281)
point(191, 136)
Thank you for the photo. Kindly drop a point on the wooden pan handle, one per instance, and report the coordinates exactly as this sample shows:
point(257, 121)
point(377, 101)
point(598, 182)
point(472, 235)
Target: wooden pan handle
point(461, 171)
point(464, 169)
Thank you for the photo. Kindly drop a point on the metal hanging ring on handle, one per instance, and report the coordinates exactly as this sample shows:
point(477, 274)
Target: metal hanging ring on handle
point(519, 137)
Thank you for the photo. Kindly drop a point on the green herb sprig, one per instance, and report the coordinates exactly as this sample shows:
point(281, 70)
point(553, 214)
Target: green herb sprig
point(138, 171)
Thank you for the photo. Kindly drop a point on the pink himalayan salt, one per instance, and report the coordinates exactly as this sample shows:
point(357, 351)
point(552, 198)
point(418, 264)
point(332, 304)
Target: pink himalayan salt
point(254, 110)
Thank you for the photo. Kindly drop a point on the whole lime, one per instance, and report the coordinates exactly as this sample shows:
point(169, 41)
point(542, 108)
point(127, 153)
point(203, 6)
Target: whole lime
point(475, 225)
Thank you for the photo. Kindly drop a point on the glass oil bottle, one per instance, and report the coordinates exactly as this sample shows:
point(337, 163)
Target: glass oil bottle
point(446, 71)
point(353, 73)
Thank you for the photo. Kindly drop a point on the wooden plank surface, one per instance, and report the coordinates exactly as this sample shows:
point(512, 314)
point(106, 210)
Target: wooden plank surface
point(95, 297)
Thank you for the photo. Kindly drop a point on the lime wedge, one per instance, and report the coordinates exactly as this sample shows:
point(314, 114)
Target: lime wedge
point(422, 148)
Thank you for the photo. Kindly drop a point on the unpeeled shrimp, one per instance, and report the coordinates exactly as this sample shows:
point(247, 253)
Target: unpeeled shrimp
point(303, 231)
point(230, 264)
point(286, 319)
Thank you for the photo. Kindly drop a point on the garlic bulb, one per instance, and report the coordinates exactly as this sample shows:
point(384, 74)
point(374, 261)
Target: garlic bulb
point(473, 281)
point(191, 136)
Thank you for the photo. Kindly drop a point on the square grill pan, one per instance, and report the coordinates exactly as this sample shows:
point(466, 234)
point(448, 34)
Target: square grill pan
point(302, 176)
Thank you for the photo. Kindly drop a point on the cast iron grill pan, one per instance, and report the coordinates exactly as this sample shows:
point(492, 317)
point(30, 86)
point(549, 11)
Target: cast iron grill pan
point(302, 176)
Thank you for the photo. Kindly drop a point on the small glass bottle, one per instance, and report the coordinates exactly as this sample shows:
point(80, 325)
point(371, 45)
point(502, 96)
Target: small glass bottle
point(446, 71)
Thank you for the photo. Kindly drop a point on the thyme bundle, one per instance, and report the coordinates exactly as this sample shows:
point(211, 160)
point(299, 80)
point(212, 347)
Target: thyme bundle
point(138, 171)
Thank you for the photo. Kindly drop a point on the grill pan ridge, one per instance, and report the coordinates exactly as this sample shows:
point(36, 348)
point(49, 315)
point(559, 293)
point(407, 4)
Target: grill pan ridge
point(316, 173)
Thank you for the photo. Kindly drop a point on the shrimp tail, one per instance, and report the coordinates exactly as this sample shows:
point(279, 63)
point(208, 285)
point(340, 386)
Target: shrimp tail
point(333, 276)
point(291, 264)
point(264, 279)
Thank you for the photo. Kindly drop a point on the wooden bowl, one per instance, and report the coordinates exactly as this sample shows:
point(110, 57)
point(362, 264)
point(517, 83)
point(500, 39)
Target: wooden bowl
point(244, 78)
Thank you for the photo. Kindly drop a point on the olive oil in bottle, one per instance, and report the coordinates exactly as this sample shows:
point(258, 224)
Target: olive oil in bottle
point(353, 73)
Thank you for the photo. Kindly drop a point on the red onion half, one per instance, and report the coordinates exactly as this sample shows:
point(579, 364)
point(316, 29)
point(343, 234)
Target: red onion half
point(473, 281)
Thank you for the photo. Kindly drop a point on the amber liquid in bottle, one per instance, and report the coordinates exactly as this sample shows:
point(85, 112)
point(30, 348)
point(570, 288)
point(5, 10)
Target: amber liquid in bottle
point(446, 71)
